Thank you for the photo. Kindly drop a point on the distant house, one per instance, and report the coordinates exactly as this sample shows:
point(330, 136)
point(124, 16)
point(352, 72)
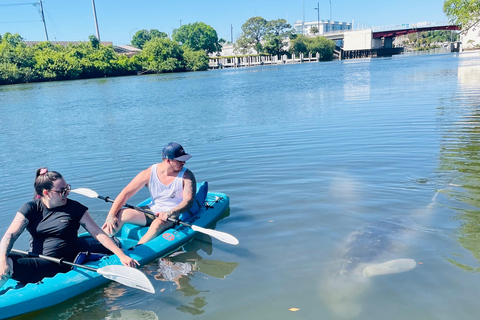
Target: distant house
point(66, 43)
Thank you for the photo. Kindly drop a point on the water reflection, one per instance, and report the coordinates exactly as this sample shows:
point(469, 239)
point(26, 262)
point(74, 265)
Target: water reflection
point(181, 267)
point(357, 84)
point(460, 154)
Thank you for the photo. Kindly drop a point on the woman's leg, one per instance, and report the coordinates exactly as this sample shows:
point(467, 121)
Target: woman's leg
point(31, 269)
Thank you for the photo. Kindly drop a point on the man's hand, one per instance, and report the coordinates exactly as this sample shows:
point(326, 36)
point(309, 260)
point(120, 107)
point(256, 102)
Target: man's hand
point(163, 215)
point(110, 225)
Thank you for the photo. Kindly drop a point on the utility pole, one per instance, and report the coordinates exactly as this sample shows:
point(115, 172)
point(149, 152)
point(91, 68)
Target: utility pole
point(231, 32)
point(95, 17)
point(303, 21)
point(43, 19)
point(318, 17)
point(330, 14)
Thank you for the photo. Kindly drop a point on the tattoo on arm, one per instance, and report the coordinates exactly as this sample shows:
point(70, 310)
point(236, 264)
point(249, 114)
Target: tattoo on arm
point(190, 186)
point(10, 237)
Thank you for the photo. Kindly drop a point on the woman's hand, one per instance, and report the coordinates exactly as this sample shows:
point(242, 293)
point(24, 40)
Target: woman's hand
point(6, 268)
point(129, 262)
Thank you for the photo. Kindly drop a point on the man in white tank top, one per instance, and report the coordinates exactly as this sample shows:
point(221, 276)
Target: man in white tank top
point(172, 189)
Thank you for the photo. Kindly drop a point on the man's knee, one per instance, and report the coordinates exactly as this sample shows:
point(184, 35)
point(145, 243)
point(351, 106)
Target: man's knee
point(156, 225)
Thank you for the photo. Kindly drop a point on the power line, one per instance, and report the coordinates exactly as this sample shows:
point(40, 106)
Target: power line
point(19, 21)
point(18, 4)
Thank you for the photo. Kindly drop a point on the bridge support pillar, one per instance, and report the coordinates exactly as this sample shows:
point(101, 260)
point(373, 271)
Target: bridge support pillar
point(388, 42)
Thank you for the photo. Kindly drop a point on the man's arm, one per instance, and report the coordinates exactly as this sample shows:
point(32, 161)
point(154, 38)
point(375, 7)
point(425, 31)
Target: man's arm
point(136, 184)
point(189, 191)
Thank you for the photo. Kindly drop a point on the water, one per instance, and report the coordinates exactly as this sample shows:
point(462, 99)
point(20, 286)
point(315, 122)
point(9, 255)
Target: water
point(310, 155)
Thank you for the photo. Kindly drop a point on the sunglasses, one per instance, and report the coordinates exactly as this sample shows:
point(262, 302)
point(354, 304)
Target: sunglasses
point(63, 191)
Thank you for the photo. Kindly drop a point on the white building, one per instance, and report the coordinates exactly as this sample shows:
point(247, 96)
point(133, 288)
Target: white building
point(305, 28)
point(471, 39)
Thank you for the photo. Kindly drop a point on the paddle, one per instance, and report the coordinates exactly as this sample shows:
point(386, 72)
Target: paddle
point(128, 276)
point(222, 236)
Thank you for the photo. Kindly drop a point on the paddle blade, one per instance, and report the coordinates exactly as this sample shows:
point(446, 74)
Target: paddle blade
point(85, 192)
point(222, 236)
point(127, 276)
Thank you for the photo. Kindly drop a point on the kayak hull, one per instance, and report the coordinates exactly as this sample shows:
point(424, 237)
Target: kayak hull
point(16, 299)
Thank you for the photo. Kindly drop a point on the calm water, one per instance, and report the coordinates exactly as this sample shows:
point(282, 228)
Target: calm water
point(310, 156)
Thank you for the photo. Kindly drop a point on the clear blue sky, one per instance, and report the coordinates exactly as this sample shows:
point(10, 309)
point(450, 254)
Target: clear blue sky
point(119, 20)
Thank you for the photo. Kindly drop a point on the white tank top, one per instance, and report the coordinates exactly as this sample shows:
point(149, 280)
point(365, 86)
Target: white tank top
point(165, 197)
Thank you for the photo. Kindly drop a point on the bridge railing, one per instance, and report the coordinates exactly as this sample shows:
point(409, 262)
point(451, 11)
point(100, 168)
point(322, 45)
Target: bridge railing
point(410, 26)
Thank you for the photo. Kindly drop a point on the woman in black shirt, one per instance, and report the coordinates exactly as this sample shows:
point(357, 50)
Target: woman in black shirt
point(53, 221)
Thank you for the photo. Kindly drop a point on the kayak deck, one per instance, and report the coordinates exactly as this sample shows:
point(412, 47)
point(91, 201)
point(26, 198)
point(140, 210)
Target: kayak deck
point(17, 299)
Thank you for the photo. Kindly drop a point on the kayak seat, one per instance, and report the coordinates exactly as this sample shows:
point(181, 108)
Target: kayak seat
point(84, 257)
point(133, 232)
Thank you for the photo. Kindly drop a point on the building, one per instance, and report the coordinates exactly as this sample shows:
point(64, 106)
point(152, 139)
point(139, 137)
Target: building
point(65, 43)
point(322, 26)
point(471, 39)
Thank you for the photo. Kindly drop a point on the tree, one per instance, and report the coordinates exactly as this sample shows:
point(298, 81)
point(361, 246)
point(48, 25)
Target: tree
point(161, 55)
point(465, 13)
point(323, 46)
point(277, 31)
point(314, 30)
point(94, 41)
point(197, 36)
point(302, 44)
point(299, 45)
point(195, 60)
point(16, 60)
point(253, 31)
point(143, 36)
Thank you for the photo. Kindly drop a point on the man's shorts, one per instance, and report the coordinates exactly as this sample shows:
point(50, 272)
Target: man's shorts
point(149, 217)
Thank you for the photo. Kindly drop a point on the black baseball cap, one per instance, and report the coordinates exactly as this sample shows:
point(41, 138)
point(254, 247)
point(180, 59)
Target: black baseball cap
point(174, 151)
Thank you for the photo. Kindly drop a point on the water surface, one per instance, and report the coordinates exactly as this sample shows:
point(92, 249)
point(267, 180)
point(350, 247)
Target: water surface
point(309, 155)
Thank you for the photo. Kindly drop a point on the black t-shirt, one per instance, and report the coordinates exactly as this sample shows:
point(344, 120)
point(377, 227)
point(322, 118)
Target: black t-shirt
point(54, 231)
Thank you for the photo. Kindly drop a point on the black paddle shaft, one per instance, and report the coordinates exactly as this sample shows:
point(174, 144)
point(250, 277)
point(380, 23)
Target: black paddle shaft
point(176, 221)
point(57, 260)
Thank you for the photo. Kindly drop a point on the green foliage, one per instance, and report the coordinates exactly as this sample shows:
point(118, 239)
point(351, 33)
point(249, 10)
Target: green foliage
point(94, 41)
point(465, 13)
point(299, 45)
point(198, 36)
point(277, 31)
point(46, 62)
point(161, 55)
point(314, 30)
point(143, 36)
point(16, 60)
point(322, 45)
point(257, 30)
point(431, 39)
point(253, 31)
point(195, 60)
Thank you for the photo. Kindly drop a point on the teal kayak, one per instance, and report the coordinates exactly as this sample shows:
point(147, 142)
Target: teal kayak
point(17, 299)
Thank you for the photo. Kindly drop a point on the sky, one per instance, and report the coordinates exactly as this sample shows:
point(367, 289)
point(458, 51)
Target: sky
point(118, 20)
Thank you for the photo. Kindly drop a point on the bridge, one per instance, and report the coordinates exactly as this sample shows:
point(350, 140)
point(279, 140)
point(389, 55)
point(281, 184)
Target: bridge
point(378, 41)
